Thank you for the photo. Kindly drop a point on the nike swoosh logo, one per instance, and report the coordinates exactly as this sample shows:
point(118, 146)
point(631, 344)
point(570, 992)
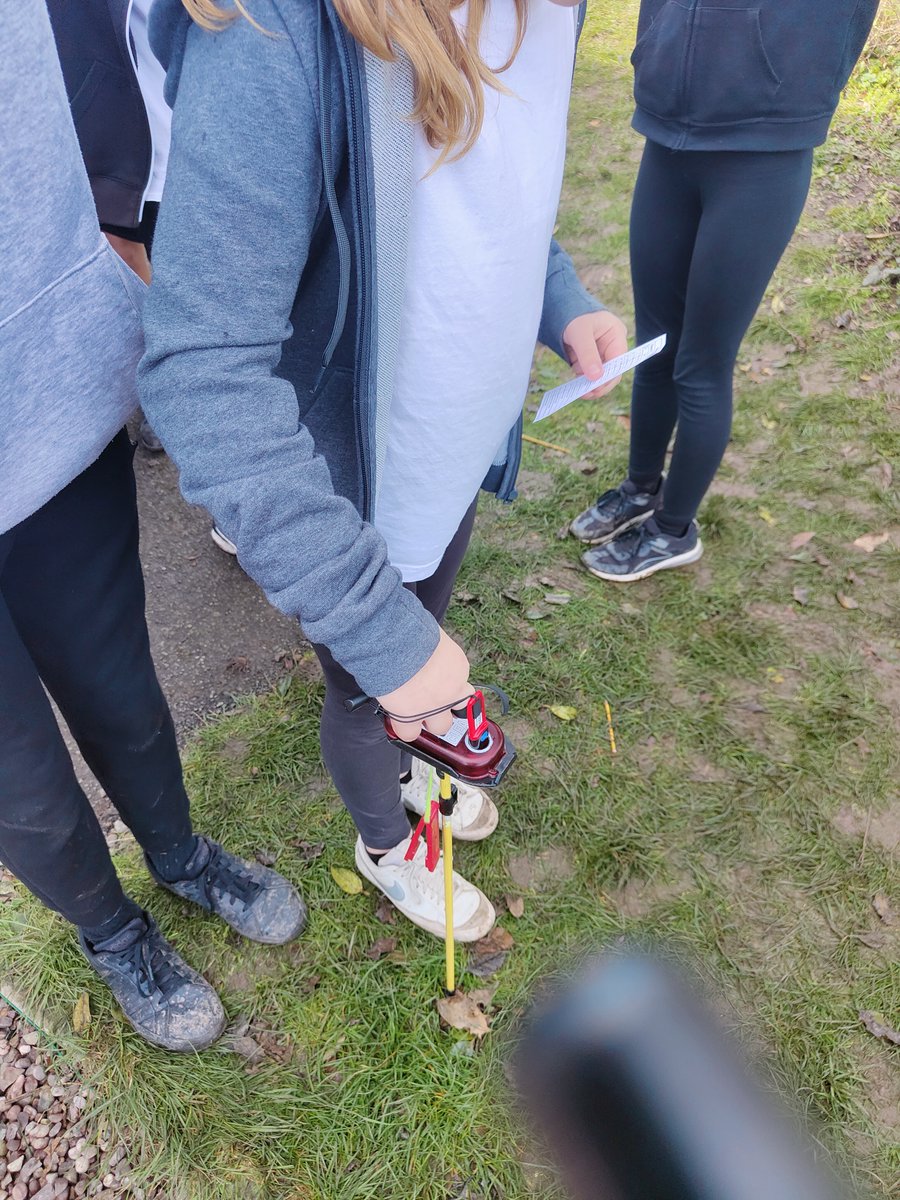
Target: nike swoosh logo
point(395, 891)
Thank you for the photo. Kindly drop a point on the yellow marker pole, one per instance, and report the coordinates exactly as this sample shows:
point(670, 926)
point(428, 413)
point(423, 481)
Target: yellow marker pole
point(447, 834)
point(609, 725)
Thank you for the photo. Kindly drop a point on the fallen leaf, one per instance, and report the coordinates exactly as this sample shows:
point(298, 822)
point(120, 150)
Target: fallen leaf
point(884, 475)
point(565, 712)
point(240, 662)
point(777, 305)
point(629, 610)
point(460, 1011)
point(767, 422)
point(509, 594)
point(484, 996)
point(846, 601)
point(875, 1023)
point(801, 539)
point(624, 421)
point(821, 560)
point(537, 613)
point(516, 906)
point(589, 469)
point(557, 598)
point(869, 541)
point(801, 595)
point(248, 1048)
point(307, 851)
point(843, 320)
point(489, 954)
point(767, 516)
point(882, 906)
point(385, 911)
point(385, 945)
point(347, 881)
point(81, 1014)
point(268, 858)
point(464, 597)
point(563, 532)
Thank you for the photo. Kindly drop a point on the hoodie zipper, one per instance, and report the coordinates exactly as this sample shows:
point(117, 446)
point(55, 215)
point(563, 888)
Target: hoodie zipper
point(363, 348)
point(688, 59)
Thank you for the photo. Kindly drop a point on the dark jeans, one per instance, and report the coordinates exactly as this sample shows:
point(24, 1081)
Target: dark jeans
point(365, 767)
point(707, 231)
point(72, 617)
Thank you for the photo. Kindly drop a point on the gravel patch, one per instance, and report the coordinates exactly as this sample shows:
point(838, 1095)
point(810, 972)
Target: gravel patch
point(49, 1147)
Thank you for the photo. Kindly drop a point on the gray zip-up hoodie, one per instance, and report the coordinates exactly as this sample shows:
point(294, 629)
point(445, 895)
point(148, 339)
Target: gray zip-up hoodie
point(70, 332)
point(272, 322)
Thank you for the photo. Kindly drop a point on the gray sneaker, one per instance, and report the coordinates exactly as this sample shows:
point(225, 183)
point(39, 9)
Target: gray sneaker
point(254, 900)
point(163, 999)
point(619, 509)
point(642, 552)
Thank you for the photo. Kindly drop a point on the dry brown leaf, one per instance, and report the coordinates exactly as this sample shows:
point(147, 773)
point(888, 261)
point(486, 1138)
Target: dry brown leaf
point(385, 945)
point(460, 1011)
point(516, 906)
point(875, 1023)
point(81, 1014)
point(801, 539)
point(846, 601)
point(489, 954)
point(385, 911)
point(882, 906)
point(801, 595)
point(870, 541)
point(307, 851)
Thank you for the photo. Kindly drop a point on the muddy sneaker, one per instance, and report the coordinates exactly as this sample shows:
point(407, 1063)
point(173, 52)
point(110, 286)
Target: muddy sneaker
point(641, 552)
point(254, 900)
point(163, 999)
point(223, 542)
point(619, 509)
point(475, 816)
point(419, 893)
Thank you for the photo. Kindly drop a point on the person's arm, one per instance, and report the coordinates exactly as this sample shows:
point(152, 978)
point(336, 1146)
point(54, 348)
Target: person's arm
point(242, 194)
point(576, 325)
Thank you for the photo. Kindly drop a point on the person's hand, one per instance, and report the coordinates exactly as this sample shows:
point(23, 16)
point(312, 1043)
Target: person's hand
point(134, 254)
point(592, 340)
point(443, 680)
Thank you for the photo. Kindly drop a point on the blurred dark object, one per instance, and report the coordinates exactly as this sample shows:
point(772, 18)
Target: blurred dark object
point(641, 1096)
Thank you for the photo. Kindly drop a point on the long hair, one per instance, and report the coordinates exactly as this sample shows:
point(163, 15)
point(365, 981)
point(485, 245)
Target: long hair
point(450, 74)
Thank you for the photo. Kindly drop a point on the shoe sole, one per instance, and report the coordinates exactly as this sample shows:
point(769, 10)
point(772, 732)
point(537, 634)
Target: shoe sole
point(479, 925)
point(473, 833)
point(677, 560)
point(609, 537)
point(222, 542)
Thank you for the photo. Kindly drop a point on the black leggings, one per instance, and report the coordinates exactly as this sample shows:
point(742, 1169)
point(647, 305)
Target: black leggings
point(707, 231)
point(72, 618)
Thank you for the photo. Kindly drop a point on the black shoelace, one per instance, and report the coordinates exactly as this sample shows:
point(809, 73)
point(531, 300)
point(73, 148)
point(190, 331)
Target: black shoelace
point(229, 878)
point(153, 969)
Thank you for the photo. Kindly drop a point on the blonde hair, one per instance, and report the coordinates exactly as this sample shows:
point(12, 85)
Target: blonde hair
point(450, 74)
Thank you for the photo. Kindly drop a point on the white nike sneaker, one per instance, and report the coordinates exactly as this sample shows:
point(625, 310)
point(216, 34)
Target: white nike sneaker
point(419, 893)
point(475, 816)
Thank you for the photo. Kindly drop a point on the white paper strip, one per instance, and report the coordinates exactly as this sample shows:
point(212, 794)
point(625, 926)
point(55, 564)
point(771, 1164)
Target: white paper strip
point(560, 396)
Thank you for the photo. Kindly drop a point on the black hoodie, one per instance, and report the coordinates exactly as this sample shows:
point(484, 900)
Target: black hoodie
point(732, 75)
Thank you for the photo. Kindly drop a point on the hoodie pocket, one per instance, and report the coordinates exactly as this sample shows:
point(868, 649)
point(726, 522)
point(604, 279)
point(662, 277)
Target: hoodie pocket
point(730, 75)
point(659, 61)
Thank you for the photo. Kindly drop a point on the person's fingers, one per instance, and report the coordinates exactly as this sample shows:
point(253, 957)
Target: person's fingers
point(586, 358)
point(439, 723)
point(408, 731)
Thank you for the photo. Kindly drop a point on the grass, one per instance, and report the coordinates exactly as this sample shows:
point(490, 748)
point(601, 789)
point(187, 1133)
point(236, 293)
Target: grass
point(749, 819)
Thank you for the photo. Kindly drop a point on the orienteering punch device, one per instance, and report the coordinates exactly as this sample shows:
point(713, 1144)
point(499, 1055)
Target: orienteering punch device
point(475, 750)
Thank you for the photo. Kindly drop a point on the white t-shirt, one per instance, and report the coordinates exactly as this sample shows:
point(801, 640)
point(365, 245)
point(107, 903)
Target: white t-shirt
point(151, 78)
point(480, 232)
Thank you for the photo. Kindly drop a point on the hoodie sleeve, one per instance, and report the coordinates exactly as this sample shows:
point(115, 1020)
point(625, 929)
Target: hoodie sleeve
point(565, 298)
point(242, 195)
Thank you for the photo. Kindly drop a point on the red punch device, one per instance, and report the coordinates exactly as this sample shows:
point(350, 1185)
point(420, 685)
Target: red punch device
point(474, 748)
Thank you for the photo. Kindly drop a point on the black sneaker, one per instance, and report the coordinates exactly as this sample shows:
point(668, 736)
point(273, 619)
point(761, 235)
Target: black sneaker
point(148, 439)
point(254, 900)
point(163, 999)
point(642, 552)
point(619, 509)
